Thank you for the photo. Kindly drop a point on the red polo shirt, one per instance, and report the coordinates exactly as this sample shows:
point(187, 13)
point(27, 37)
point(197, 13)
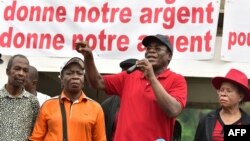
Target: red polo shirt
point(140, 117)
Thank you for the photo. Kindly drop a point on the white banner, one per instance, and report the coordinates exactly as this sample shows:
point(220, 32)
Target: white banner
point(236, 31)
point(113, 28)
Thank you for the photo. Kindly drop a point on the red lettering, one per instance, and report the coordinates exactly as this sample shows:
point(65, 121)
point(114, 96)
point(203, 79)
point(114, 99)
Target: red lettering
point(157, 14)
point(103, 41)
point(146, 16)
point(80, 12)
point(122, 43)
point(113, 13)
point(198, 15)
point(140, 47)
point(170, 1)
point(208, 38)
point(231, 39)
point(49, 12)
point(6, 38)
point(91, 38)
point(173, 15)
point(61, 14)
point(169, 18)
point(193, 44)
point(31, 40)
point(34, 13)
point(182, 44)
point(125, 15)
point(9, 12)
point(94, 14)
point(22, 13)
point(240, 39)
point(19, 40)
point(102, 38)
point(209, 10)
point(196, 42)
point(105, 10)
point(106, 14)
point(183, 15)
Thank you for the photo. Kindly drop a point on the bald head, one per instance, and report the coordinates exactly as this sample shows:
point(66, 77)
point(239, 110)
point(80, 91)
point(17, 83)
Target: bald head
point(33, 73)
point(31, 80)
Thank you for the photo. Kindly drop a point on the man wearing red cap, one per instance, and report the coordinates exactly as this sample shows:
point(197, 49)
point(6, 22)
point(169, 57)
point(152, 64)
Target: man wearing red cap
point(151, 96)
point(232, 91)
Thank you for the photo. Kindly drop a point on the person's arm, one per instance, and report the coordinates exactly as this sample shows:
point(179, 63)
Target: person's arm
point(93, 77)
point(35, 107)
point(168, 103)
point(40, 128)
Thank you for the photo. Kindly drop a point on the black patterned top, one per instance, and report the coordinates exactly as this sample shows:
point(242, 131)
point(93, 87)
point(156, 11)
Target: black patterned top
point(17, 115)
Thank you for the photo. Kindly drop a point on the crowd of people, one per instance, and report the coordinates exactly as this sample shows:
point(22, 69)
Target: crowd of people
point(143, 104)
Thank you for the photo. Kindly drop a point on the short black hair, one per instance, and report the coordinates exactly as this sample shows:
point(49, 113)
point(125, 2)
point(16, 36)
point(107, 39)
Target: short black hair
point(33, 73)
point(10, 63)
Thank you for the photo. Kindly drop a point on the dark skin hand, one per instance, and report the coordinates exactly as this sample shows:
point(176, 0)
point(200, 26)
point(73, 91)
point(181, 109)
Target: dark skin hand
point(168, 103)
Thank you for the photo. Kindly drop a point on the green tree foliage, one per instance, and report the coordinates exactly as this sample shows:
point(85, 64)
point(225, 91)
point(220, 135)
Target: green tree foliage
point(189, 120)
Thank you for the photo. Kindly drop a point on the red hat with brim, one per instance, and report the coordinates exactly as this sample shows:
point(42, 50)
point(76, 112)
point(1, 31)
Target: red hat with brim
point(237, 77)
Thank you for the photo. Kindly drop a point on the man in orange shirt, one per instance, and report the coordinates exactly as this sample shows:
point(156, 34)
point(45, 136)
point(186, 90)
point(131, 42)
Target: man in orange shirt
point(84, 118)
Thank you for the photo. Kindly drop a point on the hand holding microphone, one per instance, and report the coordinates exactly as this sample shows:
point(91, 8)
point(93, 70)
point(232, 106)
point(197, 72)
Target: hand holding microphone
point(132, 69)
point(144, 66)
point(137, 66)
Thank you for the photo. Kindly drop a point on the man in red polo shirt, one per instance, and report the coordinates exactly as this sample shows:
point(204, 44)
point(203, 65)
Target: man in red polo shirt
point(151, 96)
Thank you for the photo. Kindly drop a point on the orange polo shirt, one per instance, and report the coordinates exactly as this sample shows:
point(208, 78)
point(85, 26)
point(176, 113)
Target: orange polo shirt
point(85, 120)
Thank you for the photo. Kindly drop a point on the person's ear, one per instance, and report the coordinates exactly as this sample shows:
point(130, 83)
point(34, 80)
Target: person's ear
point(170, 56)
point(61, 81)
point(34, 82)
point(241, 97)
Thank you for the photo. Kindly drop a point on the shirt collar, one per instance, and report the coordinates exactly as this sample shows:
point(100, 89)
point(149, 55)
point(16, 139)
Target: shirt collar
point(82, 97)
point(5, 93)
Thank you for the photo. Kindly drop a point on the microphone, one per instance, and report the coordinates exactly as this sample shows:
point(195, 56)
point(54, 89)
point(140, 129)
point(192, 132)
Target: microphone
point(131, 69)
point(160, 139)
